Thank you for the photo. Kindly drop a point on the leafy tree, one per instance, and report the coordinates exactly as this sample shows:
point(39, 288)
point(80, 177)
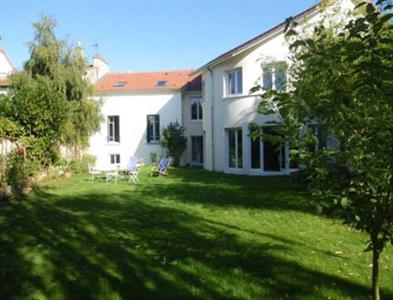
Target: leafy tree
point(174, 141)
point(50, 100)
point(341, 85)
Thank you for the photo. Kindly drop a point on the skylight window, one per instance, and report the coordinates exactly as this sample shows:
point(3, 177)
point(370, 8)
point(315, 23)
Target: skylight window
point(120, 84)
point(161, 83)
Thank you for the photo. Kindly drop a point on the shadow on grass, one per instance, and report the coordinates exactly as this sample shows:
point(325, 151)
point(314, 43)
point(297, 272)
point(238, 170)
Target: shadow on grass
point(218, 189)
point(116, 246)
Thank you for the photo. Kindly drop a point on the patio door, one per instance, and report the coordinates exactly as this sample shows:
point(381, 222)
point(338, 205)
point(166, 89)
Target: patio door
point(197, 149)
point(266, 155)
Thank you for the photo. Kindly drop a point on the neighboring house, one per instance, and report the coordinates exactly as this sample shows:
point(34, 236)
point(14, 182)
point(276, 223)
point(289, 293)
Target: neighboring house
point(136, 107)
point(6, 69)
point(230, 107)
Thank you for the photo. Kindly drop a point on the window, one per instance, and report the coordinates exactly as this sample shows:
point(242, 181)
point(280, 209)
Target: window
point(235, 82)
point(235, 148)
point(255, 153)
point(120, 84)
point(267, 78)
point(197, 149)
point(153, 128)
point(115, 159)
point(274, 76)
point(161, 83)
point(113, 129)
point(196, 108)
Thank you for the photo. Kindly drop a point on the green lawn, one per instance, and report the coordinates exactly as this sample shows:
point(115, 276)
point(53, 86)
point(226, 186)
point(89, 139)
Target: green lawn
point(194, 235)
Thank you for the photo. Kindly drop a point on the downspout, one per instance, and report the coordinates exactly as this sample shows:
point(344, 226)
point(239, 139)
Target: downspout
point(212, 115)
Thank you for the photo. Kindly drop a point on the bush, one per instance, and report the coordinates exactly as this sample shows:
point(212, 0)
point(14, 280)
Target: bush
point(173, 141)
point(81, 164)
point(19, 171)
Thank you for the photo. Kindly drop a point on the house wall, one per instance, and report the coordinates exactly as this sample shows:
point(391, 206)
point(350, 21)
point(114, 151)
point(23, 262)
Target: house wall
point(132, 109)
point(222, 112)
point(5, 67)
point(191, 127)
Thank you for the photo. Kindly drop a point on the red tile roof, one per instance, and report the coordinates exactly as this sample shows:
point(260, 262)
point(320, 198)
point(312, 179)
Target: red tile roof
point(174, 80)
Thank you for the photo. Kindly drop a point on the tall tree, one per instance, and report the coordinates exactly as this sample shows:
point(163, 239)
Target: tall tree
point(50, 100)
point(341, 85)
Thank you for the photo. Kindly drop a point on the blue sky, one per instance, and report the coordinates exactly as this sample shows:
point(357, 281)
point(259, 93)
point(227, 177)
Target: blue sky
point(146, 35)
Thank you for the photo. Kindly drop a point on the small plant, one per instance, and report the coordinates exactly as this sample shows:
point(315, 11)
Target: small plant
point(19, 171)
point(174, 141)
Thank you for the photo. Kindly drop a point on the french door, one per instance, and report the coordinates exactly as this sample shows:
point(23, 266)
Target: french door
point(266, 155)
point(197, 149)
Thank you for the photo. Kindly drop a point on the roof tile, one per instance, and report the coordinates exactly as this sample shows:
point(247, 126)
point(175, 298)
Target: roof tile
point(175, 80)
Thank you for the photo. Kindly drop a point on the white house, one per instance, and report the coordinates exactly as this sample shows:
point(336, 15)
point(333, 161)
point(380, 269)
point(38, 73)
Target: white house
point(136, 107)
point(230, 107)
point(213, 104)
point(6, 69)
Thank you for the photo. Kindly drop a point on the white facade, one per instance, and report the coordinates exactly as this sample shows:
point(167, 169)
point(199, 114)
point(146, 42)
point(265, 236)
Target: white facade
point(133, 109)
point(225, 112)
point(6, 67)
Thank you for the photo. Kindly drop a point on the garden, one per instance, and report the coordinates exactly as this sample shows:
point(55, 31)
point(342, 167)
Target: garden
point(191, 235)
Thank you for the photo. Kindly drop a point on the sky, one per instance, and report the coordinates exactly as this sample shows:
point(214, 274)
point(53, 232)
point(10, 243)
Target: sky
point(137, 35)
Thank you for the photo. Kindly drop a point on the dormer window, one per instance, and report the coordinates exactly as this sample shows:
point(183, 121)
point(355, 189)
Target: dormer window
point(120, 84)
point(161, 83)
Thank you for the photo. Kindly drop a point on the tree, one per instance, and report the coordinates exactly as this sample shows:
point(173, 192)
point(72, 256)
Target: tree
point(50, 100)
point(174, 141)
point(341, 85)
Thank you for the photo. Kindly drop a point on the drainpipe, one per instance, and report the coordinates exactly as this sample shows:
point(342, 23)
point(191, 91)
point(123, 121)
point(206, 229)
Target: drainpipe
point(212, 115)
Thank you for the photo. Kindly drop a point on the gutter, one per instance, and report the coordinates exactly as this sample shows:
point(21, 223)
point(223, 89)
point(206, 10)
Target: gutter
point(212, 115)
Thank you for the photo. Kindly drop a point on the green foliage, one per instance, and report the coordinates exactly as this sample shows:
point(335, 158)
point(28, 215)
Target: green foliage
point(174, 141)
point(50, 101)
point(81, 164)
point(19, 171)
point(342, 82)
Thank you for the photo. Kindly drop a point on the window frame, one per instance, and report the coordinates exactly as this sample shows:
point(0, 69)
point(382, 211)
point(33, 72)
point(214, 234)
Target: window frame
point(199, 113)
point(238, 91)
point(115, 157)
point(112, 137)
point(273, 69)
point(239, 162)
point(155, 131)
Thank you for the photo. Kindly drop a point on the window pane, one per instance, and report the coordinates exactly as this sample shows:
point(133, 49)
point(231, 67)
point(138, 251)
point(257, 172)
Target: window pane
point(149, 129)
point(239, 89)
point(117, 128)
point(255, 153)
point(267, 78)
point(200, 116)
point(281, 77)
point(283, 157)
point(112, 157)
point(232, 83)
point(232, 148)
point(194, 109)
point(157, 127)
point(239, 149)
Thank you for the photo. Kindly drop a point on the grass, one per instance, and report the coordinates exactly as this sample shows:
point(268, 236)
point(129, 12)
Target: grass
point(194, 235)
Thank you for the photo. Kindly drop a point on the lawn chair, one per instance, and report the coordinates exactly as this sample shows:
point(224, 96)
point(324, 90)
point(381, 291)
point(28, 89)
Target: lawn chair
point(94, 174)
point(134, 166)
point(162, 168)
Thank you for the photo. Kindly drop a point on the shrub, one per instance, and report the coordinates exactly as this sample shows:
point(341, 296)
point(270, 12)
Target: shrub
point(174, 141)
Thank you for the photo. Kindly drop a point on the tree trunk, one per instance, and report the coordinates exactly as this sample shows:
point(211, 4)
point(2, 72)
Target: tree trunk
point(375, 275)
